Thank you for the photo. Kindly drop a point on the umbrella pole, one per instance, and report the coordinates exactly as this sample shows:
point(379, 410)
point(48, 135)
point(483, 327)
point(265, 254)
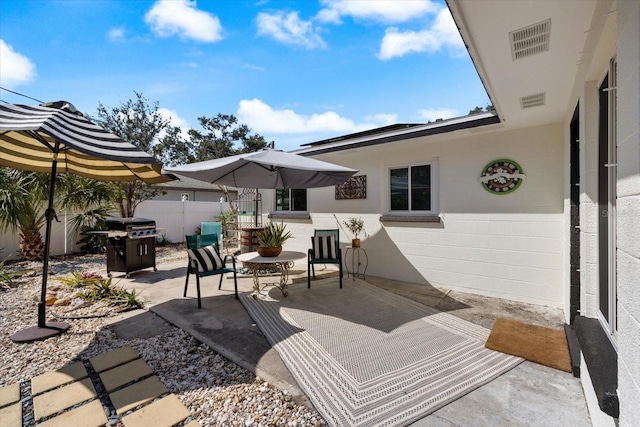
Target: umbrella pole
point(44, 330)
point(49, 214)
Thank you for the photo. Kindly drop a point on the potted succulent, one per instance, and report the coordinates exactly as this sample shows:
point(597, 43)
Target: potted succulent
point(356, 226)
point(271, 239)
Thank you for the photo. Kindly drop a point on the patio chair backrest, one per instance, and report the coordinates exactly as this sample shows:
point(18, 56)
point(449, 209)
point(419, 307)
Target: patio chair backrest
point(196, 241)
point(208, 230)
point(193, 241)
point(321, 253)
point(331, 232)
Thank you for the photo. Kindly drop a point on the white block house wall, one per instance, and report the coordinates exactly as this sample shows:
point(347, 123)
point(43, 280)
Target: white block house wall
point(507, 246)
point(628, 214)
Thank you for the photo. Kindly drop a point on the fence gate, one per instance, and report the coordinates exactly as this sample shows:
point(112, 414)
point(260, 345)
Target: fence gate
point(249, 204)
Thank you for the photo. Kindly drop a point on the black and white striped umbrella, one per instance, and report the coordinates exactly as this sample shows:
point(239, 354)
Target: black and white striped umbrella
point(32, 137)
point(57, 138)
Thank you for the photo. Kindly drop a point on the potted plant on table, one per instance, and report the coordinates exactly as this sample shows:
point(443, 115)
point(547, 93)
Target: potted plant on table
point(356, 226)
point(271, 239)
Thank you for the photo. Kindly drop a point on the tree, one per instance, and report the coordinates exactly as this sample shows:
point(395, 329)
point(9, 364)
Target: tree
point(173, 149)
point(223, 137)
point(477, 110)
point(140, 124)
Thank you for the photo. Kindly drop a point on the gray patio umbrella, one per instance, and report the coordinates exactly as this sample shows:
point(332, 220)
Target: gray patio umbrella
point(57, 138)
point(268, 168)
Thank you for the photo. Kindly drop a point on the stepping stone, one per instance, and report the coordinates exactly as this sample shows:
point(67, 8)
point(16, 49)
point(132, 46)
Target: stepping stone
point(89, 415)
point(54, 401)
point(165, 412)
point(124, 374)
point(51, 380)
point(113, 358)
point(137, 394)
point(193, 423)
point(11, 416)
point(9, 394)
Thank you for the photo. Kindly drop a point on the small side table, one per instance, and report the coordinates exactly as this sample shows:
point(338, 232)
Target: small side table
point(358, 255)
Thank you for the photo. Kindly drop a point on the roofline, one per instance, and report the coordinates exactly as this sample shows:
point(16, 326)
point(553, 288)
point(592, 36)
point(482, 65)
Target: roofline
point(451, 125)
point(461, 26)
point(383, 129)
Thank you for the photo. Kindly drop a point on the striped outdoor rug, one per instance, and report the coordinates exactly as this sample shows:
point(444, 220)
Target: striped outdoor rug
point(365, 356)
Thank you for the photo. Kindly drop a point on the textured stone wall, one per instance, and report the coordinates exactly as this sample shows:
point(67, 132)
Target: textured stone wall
point(628, 206)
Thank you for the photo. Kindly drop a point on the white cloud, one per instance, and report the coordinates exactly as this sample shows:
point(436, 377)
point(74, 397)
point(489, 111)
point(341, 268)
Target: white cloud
point(290, 29)
point(262, 118)
point(253, 67)
point(116, 35)
point(15, 68)
point(169, 17)
point(174, 120)
point(435, 114)
point(446, 29)
point(173, 117)
point(443, 33)
point(389, 11)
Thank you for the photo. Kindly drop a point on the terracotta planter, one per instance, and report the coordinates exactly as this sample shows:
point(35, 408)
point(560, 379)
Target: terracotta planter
point(355, 243)
point(269, 251)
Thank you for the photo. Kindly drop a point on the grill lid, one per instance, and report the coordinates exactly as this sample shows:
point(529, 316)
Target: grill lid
point(128, 224)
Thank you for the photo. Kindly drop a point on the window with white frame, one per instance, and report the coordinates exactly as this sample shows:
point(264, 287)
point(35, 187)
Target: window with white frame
point(412, 188)
point(290, 199)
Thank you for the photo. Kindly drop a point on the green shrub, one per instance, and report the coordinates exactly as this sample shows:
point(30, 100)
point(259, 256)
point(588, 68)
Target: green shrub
point(80, 279)
point(6, 276)
point(97, 288)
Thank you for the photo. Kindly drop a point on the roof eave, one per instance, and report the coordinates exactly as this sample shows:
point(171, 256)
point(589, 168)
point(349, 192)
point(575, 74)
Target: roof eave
point(427, 130)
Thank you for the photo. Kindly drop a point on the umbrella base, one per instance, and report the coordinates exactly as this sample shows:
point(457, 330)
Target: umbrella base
point(36, 333)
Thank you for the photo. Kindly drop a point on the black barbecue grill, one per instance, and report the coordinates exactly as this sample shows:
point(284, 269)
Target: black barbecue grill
point(131, 244)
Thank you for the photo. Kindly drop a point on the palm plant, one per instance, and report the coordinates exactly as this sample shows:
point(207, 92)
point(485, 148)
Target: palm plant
point(95, 200)
point(22, 201)
point(24, 196)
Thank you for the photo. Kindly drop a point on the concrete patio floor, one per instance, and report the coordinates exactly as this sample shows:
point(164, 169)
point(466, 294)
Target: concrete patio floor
point(528, 395)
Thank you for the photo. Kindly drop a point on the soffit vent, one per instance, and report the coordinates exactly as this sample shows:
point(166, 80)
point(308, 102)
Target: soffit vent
point(531, 40)
point(532, 100)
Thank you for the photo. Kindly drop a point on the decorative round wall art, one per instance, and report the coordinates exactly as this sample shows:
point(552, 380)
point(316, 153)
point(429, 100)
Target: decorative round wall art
point(502, 176)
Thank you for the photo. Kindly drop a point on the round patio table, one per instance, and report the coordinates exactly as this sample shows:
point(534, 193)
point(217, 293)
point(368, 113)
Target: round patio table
point(282, 263)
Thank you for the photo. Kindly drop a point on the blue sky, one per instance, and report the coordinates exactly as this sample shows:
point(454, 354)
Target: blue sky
point(293, 71)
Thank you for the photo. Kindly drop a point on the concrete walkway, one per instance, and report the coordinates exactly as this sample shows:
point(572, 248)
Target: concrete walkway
point(528, 395)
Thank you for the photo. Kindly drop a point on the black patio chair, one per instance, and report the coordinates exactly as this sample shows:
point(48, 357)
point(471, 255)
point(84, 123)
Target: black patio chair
point(205, 260)
point(325, 249)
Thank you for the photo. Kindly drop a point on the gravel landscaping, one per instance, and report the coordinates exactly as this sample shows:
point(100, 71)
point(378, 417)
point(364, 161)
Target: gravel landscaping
point(216, 390)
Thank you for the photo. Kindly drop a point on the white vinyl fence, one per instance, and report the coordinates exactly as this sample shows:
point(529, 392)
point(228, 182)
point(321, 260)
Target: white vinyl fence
point(174, 218)
point(179, 218)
